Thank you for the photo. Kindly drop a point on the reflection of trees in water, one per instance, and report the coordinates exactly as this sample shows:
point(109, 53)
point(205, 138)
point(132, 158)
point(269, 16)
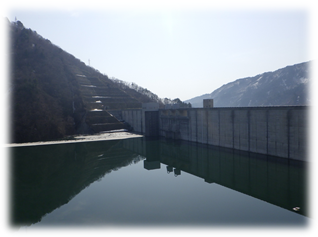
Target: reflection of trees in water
point(46, 177)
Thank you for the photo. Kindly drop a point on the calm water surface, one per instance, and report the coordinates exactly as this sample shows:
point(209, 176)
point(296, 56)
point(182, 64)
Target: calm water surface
point(143, 182)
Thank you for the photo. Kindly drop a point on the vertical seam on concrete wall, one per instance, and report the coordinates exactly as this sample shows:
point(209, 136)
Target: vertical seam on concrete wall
point(219, 128)
point(267, 118)
point(196, 125)
point(248, 129)
point(288, 132)
point(202, 127)
point(232, 118)
point(189, 126)
point(141, 122)
point(207, 125)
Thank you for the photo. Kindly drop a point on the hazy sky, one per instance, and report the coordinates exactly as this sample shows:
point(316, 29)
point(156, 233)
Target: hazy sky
point(175, 52)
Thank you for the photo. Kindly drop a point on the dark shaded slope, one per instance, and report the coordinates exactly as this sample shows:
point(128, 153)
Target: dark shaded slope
point(42, 88)
point(53, 94)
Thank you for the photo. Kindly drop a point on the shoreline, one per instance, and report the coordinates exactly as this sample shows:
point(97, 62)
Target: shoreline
point(81, 138)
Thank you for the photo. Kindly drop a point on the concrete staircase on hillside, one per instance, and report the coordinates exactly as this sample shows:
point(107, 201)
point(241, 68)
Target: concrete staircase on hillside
point(99, 96)
point(100, 120)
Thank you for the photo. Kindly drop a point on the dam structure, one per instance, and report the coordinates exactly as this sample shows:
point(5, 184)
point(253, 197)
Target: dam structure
point(273, 130)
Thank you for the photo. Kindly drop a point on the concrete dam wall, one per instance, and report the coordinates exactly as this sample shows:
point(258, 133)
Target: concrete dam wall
point(134, 117)
point(277, 131)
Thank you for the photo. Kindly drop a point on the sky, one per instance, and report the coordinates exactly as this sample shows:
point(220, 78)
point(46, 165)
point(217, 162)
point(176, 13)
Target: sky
point(174, 51)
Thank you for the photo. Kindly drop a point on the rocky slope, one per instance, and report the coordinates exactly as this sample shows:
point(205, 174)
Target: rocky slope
point(286, 86)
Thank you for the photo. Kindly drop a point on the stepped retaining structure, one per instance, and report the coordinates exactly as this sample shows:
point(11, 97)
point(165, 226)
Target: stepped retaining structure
point(99, 97)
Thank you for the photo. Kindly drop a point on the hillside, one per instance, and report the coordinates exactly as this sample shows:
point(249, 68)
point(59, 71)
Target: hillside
point(53, 94)
point(286, 86)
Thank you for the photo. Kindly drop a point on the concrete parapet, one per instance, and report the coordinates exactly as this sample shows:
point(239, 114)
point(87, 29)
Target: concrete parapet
point(134, 118)
point(151, 106)
point(258, 140)
point(241, 129)
point(278, 131)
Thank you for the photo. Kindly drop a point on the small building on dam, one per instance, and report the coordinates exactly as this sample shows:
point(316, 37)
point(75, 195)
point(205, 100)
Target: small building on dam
point(275, 130)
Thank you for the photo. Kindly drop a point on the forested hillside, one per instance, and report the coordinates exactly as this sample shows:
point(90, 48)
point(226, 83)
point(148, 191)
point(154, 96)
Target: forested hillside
point(53, 94)
point(285, 86)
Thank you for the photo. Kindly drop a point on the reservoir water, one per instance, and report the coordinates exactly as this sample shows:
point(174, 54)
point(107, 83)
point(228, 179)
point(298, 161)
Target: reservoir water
point(142, 182)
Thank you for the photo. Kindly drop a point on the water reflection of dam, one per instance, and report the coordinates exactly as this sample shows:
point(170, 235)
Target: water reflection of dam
point(275, 180)
point(47, 177)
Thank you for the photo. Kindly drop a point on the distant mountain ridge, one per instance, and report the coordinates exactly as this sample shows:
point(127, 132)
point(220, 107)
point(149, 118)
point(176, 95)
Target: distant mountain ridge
point(285, 86)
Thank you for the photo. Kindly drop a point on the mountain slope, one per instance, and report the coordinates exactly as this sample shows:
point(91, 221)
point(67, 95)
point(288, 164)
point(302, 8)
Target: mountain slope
point(286, 86)
point(53, 94)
